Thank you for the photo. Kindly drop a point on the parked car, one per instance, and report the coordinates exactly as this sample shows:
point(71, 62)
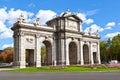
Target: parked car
point(113, 61)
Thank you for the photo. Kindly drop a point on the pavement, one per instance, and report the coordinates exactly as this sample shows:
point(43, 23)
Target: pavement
point(1, 69)
point(60, 75)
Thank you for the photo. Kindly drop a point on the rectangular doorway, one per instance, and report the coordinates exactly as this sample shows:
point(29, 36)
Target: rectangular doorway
point(29, 57)
point(95, 57)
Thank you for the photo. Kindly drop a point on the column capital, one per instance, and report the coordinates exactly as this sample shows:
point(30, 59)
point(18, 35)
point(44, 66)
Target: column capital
point(37, 35)
point(14, 35)
point(21, 33)
point(80, 39)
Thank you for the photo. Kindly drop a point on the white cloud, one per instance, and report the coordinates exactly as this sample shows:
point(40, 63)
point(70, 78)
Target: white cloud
point(94, 28)
point(4, 31)
point(6, 34)
point(45, 15)
point(89, 21)
point(82, 16)
point(3, 14)
point(14, 14)
point(10, 16)
point(7, 45)
point(2, 26)
point(111, 35)
point(110, 24)
point(107, 28)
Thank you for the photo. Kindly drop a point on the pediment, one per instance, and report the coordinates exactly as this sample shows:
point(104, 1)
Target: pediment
point(74, 17)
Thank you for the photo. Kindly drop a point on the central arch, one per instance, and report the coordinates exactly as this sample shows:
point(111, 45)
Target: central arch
point(48, 53)
point(86, 54)
point(73, 53)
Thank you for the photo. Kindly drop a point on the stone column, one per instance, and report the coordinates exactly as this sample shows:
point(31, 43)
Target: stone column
point(62, 52)
point(37, 52)
point(21, 51)
point(78, 52)
point(81, 53)
point(90, 53)
point(15, 55)
point(67, 53)
point(98, 53)
point(54, 61)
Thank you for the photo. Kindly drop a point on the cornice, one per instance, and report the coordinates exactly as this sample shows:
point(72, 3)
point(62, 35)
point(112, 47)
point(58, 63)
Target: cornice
point(32, 27)
point(88, 36)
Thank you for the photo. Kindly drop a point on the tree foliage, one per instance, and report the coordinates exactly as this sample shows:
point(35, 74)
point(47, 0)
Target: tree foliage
point(43, 53)
point(110, 49)
point(103, 50)
point(116, 47)
point(7, 55)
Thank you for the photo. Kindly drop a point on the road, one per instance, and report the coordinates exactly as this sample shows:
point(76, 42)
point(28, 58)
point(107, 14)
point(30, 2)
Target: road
point(60, 76)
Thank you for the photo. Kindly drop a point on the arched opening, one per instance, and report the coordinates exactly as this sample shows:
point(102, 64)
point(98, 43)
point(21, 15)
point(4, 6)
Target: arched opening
point(46, 53)
point(86, 54)
point(73, 53)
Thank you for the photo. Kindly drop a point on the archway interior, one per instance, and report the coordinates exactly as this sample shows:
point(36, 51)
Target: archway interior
point(86, 54)
point(73, 53)
point(46, 53)
point(95, 57)
point(29, 57)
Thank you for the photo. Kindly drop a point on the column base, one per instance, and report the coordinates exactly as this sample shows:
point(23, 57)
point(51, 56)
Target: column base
point(38, 64)
point(19, 64)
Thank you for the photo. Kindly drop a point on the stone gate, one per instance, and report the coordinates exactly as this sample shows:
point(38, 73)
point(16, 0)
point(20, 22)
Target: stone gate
point(65, 42)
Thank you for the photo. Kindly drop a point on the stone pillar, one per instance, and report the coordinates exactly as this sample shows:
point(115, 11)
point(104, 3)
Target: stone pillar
point(54, 52)
point(21, 51)
point(62, 52)
point(81, 53)
point(90, 53)
point(67, 53)
point(98, 53)
point(15, 55)
point(78, 52)
point(37, 52)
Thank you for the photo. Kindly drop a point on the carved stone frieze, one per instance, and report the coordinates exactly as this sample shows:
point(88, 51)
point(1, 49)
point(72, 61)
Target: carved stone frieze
point(30, 40)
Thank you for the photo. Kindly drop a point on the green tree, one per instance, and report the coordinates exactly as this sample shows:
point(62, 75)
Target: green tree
point(115, 48)
point(8, 49)
point(43, 53)
point(103, 51)
point(108, 49)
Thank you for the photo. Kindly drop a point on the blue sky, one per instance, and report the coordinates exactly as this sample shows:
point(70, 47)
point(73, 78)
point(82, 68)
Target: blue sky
point(96, 14)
